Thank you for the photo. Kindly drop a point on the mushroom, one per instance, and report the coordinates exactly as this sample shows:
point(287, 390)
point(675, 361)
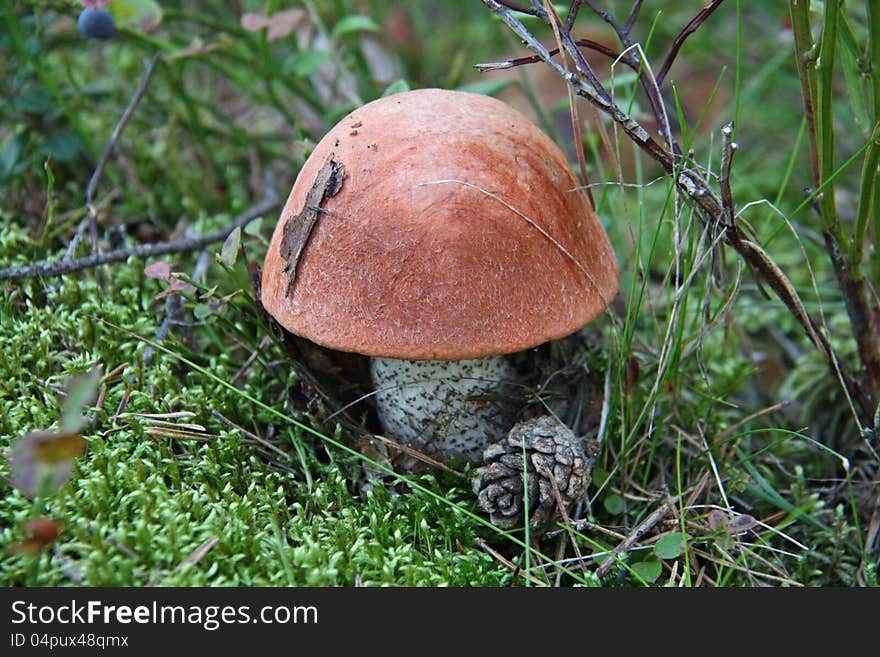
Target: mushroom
point(437, 232)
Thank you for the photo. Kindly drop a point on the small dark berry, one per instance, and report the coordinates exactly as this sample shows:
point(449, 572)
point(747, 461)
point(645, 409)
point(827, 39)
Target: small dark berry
point(97, 23)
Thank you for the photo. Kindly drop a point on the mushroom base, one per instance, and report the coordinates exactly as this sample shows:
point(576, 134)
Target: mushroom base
point(449, 410)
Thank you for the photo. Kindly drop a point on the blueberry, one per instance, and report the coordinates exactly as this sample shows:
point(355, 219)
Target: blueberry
point(96, 23)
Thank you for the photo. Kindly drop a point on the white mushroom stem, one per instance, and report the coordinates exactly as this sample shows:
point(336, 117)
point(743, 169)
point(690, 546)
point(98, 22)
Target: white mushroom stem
point(450, 410)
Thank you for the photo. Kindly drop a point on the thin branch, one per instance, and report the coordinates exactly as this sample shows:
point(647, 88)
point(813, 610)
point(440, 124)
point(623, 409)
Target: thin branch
point(573, 10)
point(651, 89)
point(515, 6)
point(633, 15)
point(634, 536)
point(803, 44)
point(689, 29)
point(633, 55)
point(91, 212)
point(728, 147)
point(622, 31)
point(269, 201)
point(611, 53)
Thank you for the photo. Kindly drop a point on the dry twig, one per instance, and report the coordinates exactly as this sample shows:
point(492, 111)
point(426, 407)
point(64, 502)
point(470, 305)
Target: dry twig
point(185, 245)
point(640, 530)
point(91, 212)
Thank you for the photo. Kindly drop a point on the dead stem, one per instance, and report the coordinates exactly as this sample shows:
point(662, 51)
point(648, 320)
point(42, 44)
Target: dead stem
point(185, 245)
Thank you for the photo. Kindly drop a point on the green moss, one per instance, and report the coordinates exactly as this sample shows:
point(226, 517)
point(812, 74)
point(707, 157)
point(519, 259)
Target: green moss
point(138, 504)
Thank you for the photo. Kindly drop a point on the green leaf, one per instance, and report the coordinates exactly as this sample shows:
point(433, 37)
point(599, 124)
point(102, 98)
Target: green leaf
point(34, 100)
point(613, 504)
point(229, 252)
point(670, 546)
point(303, 64)
point(649, 570)
point(202, 311)
point(396, 87)
point(600, 476)
point(62, 145)
point(254, 228)
point(354, 23)
point(11, 149)
point(138, 15)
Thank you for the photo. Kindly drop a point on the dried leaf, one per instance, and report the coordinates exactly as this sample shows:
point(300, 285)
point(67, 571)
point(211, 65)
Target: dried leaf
point(279, 24)
point(58, 449)
point(30, 546)
point(254, 22)
point(195, 47)
point(742, 523)
point(177, 286)
point(284, 22)
point(42, 529)
point(41, 462)
point(198, 554)
point(719, 521)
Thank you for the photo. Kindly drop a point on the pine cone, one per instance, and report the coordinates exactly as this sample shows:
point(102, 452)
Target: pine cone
point(552, 453)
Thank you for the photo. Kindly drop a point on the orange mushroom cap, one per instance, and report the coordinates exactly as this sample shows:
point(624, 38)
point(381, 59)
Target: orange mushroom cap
point(458, 232)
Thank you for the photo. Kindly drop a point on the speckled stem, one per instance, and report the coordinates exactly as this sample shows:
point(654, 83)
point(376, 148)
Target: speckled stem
point(449, 410)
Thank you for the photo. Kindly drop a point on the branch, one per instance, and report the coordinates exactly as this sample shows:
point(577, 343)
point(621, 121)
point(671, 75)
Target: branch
point(692, 181)
point(515, 6)
point(689, 29)
point(640, 530)
point(635, 58)
point(269, 201)
point(633, 15)
point(108, 151)
point(622, 31)
point(611, 53)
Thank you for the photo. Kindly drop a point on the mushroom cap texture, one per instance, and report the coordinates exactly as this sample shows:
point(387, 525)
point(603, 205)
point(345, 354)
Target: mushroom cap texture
point(457, 233)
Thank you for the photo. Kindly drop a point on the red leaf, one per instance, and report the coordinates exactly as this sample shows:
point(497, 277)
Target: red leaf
point(160, 270)
point(253, 22)
point(279, 24)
